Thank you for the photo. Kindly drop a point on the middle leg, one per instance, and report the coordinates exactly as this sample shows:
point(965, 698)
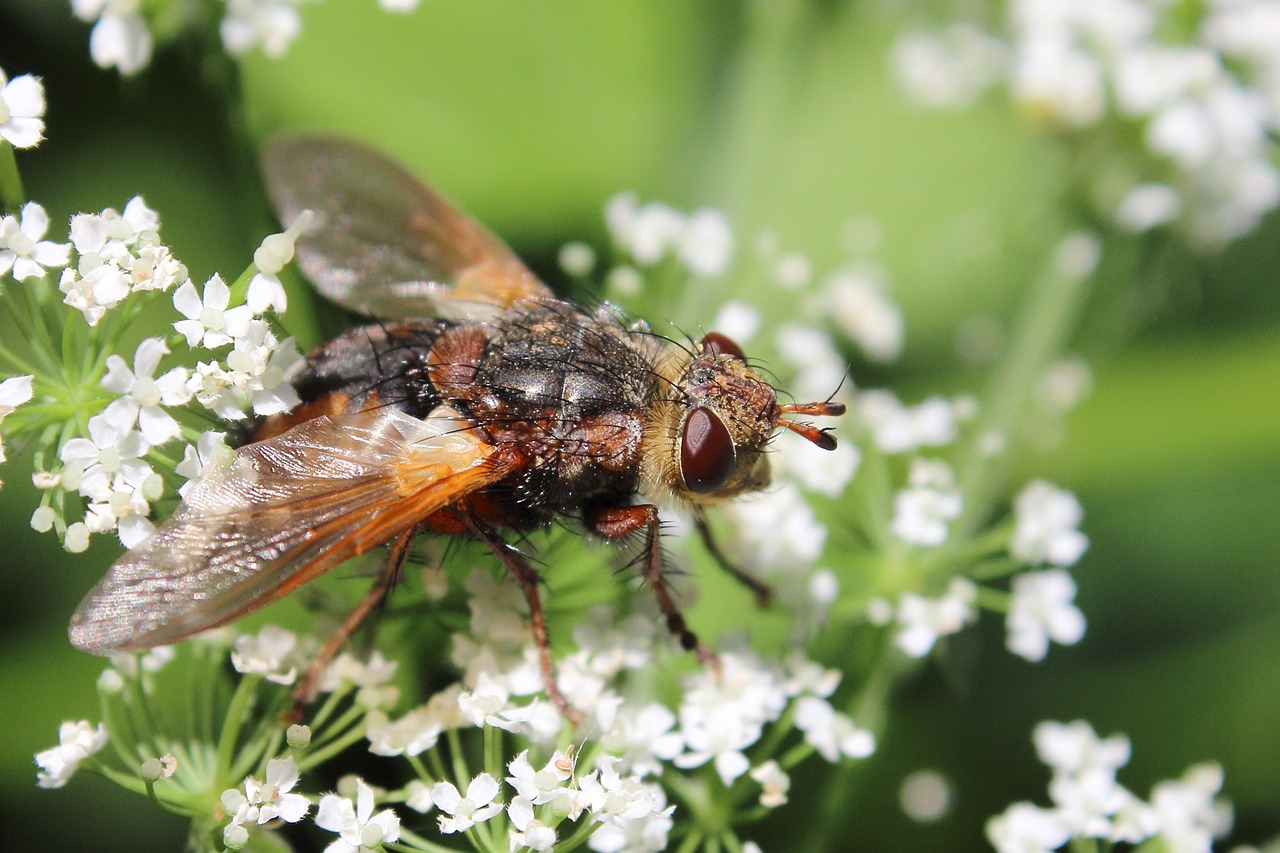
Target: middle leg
point(621, 522)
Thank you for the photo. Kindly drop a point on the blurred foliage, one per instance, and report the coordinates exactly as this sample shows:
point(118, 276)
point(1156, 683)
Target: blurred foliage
point(782, 113)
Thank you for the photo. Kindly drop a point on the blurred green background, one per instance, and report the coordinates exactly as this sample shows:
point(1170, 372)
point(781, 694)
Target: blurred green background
point(533, 114)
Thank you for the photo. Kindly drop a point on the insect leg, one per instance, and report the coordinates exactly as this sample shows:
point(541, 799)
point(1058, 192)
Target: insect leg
point(763, 592)
point(400, 548)
point(527, 576)
point(620, 522)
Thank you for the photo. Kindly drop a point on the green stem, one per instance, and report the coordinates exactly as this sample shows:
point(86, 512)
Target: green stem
point(1043, 326)
point(231, 725)
point(417, 842)
point(12, 196)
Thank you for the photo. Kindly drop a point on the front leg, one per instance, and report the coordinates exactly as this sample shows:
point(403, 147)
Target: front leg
point(763, 592)
point(621, 522)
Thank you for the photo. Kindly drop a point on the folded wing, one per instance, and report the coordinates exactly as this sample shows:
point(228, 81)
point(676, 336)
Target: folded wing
point(275, 514)
point(384, 244)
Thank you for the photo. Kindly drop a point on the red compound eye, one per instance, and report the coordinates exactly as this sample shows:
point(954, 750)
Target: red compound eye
point(721, 345)
point(706, 452)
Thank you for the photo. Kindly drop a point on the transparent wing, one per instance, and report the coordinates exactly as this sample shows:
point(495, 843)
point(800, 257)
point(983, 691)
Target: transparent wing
point(275, 514)
point(383, 243)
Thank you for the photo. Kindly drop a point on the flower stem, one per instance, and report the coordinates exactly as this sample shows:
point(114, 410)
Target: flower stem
point(1044, 324)
point(12, 196)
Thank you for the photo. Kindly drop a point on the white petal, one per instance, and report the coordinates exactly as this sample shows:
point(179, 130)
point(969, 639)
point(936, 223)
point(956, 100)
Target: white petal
point(49, 254)
point(134, 530)
point(25, 97)
point(34, 221)
point(216, 293)
point(15, 391)
point(482, 789)
point(119, 378)
point(335, 813)
point(445, 796)
point(157, 425)
point(122, 41)
point(147, 358)
point(188, 303)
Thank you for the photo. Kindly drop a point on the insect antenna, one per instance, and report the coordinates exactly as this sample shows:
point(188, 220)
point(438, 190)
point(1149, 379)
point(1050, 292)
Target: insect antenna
point(821, 437)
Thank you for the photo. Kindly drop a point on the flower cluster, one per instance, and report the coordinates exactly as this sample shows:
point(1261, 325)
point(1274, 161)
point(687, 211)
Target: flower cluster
point(123, 36)
point(1201, 93)
point(1088, 802)
point(106, 418)
point(609, 793)
point(114, 265)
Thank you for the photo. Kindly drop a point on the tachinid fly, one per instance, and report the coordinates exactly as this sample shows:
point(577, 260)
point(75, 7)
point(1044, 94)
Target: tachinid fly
point(481, 403)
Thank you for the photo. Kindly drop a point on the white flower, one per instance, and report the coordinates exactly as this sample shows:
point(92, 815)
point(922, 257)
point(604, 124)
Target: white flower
point(76, 742)
point(1188, 815)
point(270, 24)
point(923, 620)
point(112, 447)
point(112, 238)
point(922, 511)
point(372, 679)
point(146, 395)
point(1041, 609)
point(272, 653)
point(1087, 800)
point(1047, 521)
point(155, 268)
point(262, 802)
point(646, 834)
point(737, 320)
point(1148, 206)
point(616, 799)
point(722, 716)
point(209, 447)
point(399, 6)
point(896, 428)
point(949, 70)
point(792, 271)
point(830, 732)
point(646, 233)
point(820, 369)
point(120, 37)
point(1076, 748)
point(779, 527)
point(706, 246)
point(127, 504)
point(273, 393)
point(21, 110)
point(266, 293)
point(358, 828)
point(529, 831)
point(614, 647)
point(94, 294)
point(538, 787)
point(644, 737)
point(861, 310)
point(461, 813)
point(414, 733)
point(1026, 828)
point(774, 783)
point(577, 259)
point(826, 472)
point(23, 247)
point(209, 322)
